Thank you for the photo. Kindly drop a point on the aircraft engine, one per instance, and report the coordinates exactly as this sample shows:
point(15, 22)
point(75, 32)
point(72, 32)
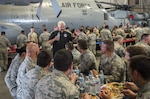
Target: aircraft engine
point(12, 31)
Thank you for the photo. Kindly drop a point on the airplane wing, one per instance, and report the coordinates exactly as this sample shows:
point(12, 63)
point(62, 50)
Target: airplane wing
point(56, 8)
point(19, 2)
point(38, 13)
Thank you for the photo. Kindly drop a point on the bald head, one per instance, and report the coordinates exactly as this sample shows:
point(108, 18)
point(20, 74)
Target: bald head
point(32, 48)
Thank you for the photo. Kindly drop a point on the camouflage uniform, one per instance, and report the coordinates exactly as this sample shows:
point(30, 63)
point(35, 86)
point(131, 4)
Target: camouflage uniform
point(92, 42)
point(11, 75)
point(146, 30)
point(30, 79)
point(87, 62)
point(105, 34)
point(4, 43)
point(121, 32)
point(76, 57)
point(43, 39)
point(21, 40)
point(138, 32)
point(82, 36)
point(119, 49)
point(55, 86)
point(144, 92)
point(33, 37)
point(146, 46)
point(113, 68)
point(25, 66)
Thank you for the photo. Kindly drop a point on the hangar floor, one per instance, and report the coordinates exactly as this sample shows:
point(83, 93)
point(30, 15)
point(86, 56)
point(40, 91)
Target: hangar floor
point(4, 92)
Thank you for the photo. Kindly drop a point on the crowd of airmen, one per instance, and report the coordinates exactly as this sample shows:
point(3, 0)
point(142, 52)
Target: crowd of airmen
point(36, 73)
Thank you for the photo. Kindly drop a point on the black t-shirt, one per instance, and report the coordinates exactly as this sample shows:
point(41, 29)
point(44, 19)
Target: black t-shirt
point(64, 38)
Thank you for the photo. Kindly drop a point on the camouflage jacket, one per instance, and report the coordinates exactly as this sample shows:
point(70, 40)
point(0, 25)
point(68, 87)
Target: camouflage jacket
point(76, 56)
point(21, 40)
point(55, 86)
point(119, 49)
point(92, 38)
point(87, 62)
point(105, 34)
point(120, 32)
point(30, 79)
point(25, 66)
point(4, 42)
point(146, 30)
point(11, 75)
point(144, 92)
point(113, 68)
point(146, 46)
point(138, 32)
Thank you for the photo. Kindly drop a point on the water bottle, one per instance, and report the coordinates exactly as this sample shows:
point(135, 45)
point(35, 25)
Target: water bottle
point(92, 86)
point(76, 70)
point(101, 77)
point(87, 84)
point(91, 74)
point(58, 35)
point(81, 83)
point(97, 86)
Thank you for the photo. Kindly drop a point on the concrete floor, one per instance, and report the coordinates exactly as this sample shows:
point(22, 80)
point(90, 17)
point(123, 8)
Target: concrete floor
point(4, 92)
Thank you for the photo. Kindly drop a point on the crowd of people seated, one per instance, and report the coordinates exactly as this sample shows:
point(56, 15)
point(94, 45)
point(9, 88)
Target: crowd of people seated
point(42, 68)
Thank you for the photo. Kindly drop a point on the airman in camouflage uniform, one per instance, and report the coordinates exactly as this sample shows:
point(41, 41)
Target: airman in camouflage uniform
point(87, 58)
point(146, 29)
point(105, 33)
point(114, 31)
point(76, 54)
point(120, 31)
point(32, 77)
point(92, 42)
point(43, 39)
point(141, 79)
point(82, 35)
point(28, 64)
point(130, 52)
point(144, 92)
point(57, 85)
point(138, 32)
point(32, 36)
point(145, 42)
point(12, 72)
point(21, 39)
point(119, 49)
point(4, 43)
point(112, 65)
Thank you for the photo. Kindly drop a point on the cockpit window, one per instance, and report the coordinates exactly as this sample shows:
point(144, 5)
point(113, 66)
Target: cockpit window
point(105, 16)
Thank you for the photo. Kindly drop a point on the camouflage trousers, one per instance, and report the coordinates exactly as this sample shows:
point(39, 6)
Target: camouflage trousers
point(3, 59)
point(92, 48)
point(46, 46)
